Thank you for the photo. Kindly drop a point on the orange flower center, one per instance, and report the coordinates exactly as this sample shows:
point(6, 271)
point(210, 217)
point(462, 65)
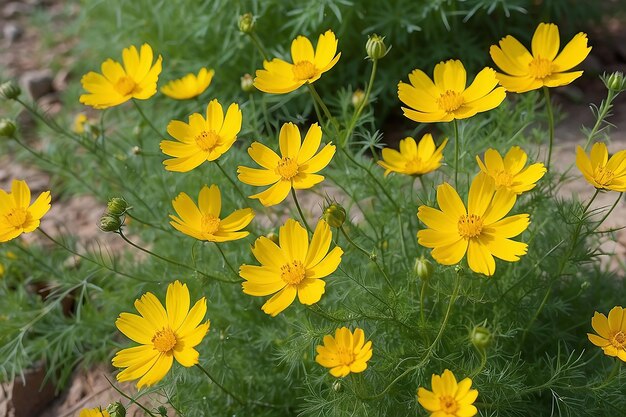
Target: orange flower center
point(470, 226)
point(414, 166)
point(540, 68)
point(303, 70)
point(292, 273)
point(618, 340)
point(448, 404)
point(503, 179)
point(126, 85)
point(603, 176)
point(345, 355)
point(18, 217)
point(450, 101)
point(210, 224)
point(164, 340)
point(287, 168)
point(207, 140)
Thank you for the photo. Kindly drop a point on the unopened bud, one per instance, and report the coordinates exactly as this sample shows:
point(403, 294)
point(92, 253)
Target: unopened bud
point(246, 23)
point(423, 268)
point(616, 82)
point(273, 237)
point(117, 206)
point(247, 83)
point(334, 215)
point(135, 150)
point(7, 128)
point(110, 223)
point(162, 411)
point(9, 90)
point(116, 410)
point(358, 98)
point(375, 47)
point(480, 337)
point(337, 386)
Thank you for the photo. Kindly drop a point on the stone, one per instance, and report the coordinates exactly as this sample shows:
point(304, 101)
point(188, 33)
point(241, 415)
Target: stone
point(38, 83)
point(12, 32)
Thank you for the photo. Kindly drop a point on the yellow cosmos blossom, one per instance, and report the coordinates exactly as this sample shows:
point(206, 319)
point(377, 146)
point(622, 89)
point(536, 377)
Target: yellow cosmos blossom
point(137, 78)
point(293, 267)
point(344, 353)
point(203, 221)
point(296, 167)
point(448, 398)
point(482, 230)
point(448, 98)
point(526, 71)
point(93, 412)
point(509, 173)
point(189, 86)
point(413, 159)
point(164, 334)
point(611, 331)
point(599, 170)
point(201, 139)
point(17, 215)
point(279, 77)
point(79, 123)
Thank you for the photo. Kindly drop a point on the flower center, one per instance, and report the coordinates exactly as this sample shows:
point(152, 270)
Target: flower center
point(287, 168)
point(207, 140)
point(470, 226)
point(164, 340)
point(292, 273)
point(303, 70)
point(450, 101)
point(503, 179)
point(540, 68)
point(603, 176)
point(210, 224)
point(414, 166)
point(448, 404)
point(18, 217)
point(346, 355)
point(618, 340)
point(125, 86)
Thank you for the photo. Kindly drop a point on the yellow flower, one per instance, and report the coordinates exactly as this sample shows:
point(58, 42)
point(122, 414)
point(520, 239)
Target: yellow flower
point(509, 173)
point(599, 170)
point(164, 334)
point(79, 123)
point(448, 398)
point(525, 71)
point(344, 353)
point(611, 331)
point(189, 86)
point(413, 159)
point(93, 412)
point(17, 215)
point(279, 77)
point(201, 139)
point(296, 168)
point(203, 221)
point(118, 84)
point(482, 230)
point(294, 267)
point(447, 98)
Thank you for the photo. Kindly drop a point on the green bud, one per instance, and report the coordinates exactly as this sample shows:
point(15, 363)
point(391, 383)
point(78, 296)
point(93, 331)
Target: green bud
point(9, 90)
point(117, 206)
point(7, 128)
point(162, 411)
point(247, 83)
point(110, 223)
point(423, 268)
point(480, 337)
point(358, 98)
point(246, 23)
point(615, 82)
point(375, 47)
point(116, 410)
point(273, 237)
point(335, 215)
point(373, 257)
point(337, 386)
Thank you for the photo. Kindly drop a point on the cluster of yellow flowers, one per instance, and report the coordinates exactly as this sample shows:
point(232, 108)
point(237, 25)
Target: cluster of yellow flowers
point(295, 264)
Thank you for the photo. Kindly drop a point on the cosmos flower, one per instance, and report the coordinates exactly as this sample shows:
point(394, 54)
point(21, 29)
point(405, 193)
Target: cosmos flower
point(345, 353)
point(189, 86)
point(448, 398)
point(413, 159)
point(17, 215)
point(601, 171)
point(509, 173)
point(611, 332)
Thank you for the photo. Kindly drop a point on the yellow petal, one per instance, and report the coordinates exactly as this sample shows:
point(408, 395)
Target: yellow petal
point(158, 370)
point(294, 240)
point(320, 243)
point(428, 400)
point(420, 117)
point(450, 254)
point(237, 220)
point(289, 140)
point(310, 291)
point(508, 61)
point(210, 201)
point(319, 161)
point(449, 201)
point(40, 206)
point(482, 85)
point(136, 328)
point(505, 249)
point(480, 194)
point(437, 220)
point(192, 319)
point(232, 123)
point(616, 318)
point(573, 54)
point(563, 78)
point(257, 177)
point(450, 76)
point(214, 116)
point(424, 84)
point(449, 382)
point(325, 50)
point(327, 265)
point(20, 193)
point(187, 209)
point(268, 253)
point(311, 144)
point(304, 181)
point(514, 160)
point(502, 203)
point(546, 42)
point(176, 303)
point(280, 301)
point(419, 99)
point(302, 50)
point(275, 194)
point(599, 155)
point(187, 357)
point(597, 340)
point(480, 259)
point(152, 310)
point(431, 238)
point(264, 156)
point(508, 227)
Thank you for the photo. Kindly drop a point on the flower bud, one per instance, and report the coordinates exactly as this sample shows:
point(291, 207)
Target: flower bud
point(335, 215)
point(9, 90)
point(480, 337)
point(273, 237)
point(7, 128)
point(247, 83)
point(375, 47)
point(246, 23)
point(615, 82)
point(110, 223)
point(116, 410)
point(423, 268)
point(337, 386)
point(162, 411)
point(358, 98)
point(117, 206)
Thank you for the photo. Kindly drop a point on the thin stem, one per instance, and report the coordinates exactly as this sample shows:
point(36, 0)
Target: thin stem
point(319, 101)
point(220, 386)
point(422, 295)
point(456, 153)
point(402, 243)
point(455, 293)
point(619, 197)
point(257, 42)
point(365, 102)
point(295, 200)
point(132, 400)
point(610, 377)
point(481, 366)
point(226, 259)
point(234, 184)
point(546, 93)
point(603, 113)
point(145, 118)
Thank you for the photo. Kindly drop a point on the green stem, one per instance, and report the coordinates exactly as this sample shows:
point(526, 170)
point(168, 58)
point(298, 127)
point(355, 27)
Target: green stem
point(610, 377)
point(145, 118)
point(233, 183)
point(402, 243)
point(365, 102)
point(226, 260)
point(319, 101)
point(422, 296)
point(455, 293)
point(619, 197)
point(132, 400)
point(220, 386)
point(546, 93)
point(603, 113)
point(456, 154)
point(481, 366)
point(257, 42)
point(295, 200)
